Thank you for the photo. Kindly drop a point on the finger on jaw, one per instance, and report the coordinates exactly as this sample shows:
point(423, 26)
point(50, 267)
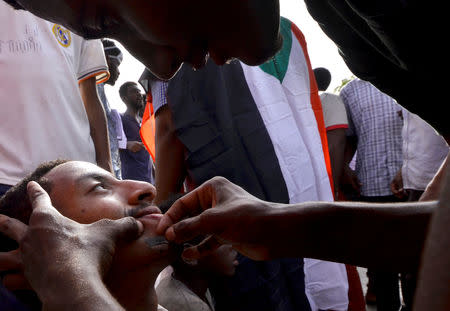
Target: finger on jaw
point(12, 228)
point(129, 229)
point(186, 230)
point(205, 248)
point(121, 230)
point(10, 261)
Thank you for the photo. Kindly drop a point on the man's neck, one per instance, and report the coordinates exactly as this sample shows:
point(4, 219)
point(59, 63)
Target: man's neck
point(135, 290)
point(196, 281)
point(132, 112)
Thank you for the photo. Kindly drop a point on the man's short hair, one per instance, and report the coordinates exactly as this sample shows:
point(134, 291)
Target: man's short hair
point(15, 203)
point(323, 78)
point(124, 88)
point(112, 50)
point(14, 4)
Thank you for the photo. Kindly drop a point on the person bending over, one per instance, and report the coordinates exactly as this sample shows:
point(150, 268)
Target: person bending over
point(86, 193)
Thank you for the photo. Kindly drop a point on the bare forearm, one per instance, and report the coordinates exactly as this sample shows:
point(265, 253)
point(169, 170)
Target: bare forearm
point(372, 235)
point(433, 291)
point(336, 145)
point(350, 149)
point(99, 134)
point(97, 122)
point(169, 155)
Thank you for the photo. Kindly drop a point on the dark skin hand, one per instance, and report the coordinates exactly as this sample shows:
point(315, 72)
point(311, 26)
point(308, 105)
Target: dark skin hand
point(45, 240)
point(135, 146)
point(230, 202)
point(264, 230)
point(397, 185)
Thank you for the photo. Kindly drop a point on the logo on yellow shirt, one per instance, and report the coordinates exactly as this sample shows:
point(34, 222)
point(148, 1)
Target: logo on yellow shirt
point(62, 35)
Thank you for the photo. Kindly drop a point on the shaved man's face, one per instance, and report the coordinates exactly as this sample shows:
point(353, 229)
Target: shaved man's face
point(164, 34)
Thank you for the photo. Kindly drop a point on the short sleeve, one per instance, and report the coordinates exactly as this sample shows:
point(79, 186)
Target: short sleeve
point(334, 113)
point(159, 94)
point(92, 62)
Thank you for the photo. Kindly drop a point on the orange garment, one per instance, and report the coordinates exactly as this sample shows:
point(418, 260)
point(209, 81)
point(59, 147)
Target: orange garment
point(148, 127)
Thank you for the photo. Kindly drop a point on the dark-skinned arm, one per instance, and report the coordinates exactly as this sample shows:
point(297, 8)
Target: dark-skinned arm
point(393, 237)
point(336, 146)
point(97, 122)
point(349, 182)
point(169, 166)
point(433, 290)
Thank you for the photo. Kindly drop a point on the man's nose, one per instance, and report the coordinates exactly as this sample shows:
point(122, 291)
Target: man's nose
point(139, 191)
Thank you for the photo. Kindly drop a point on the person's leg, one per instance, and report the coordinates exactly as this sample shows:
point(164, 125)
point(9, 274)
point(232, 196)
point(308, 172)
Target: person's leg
point(386, 290)
point(409, 283)
point(371, 298)
point(409, 280)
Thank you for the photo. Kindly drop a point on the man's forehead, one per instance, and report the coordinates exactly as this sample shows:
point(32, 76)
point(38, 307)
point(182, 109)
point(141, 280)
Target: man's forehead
point(134, 88)
point(73, 170)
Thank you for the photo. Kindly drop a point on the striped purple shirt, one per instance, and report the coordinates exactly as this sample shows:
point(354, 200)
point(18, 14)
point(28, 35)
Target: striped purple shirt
point(375, 120)
point(159, 93)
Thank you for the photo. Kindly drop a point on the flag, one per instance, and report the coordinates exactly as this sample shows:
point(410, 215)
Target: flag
point(148, 128)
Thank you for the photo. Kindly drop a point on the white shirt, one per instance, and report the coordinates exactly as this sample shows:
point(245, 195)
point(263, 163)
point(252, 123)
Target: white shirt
point(423, 149)
point(175, 295)
point(42, 116)
point(334, 114)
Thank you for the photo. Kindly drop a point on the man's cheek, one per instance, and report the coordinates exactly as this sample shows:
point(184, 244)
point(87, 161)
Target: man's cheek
point(126, 254)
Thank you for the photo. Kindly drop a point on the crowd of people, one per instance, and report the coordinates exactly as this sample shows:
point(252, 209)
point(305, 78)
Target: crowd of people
point(255, 189)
